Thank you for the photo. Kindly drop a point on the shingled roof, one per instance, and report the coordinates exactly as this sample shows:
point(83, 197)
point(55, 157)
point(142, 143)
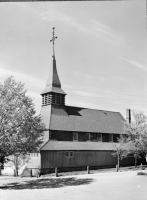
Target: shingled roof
point(68, 118)
point(79, 146)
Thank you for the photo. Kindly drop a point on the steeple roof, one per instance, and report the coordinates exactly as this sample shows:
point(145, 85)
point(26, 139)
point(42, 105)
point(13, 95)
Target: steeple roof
point(53, 83)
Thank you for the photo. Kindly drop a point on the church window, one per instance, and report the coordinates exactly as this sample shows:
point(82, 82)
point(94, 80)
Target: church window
point(87, 136)
point(110, 137)
point(99, 137)
point(69, 153)
point(75, 136)
point(34, 155)
point(95, 137)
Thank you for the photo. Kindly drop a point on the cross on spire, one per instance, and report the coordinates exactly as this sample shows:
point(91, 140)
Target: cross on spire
point(53, 40)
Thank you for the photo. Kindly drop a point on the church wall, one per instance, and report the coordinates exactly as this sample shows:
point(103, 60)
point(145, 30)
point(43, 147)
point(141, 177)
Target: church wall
point(79, 159)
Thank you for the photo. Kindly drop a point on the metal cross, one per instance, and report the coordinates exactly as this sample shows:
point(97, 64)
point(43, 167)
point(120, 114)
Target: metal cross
point(52, 40)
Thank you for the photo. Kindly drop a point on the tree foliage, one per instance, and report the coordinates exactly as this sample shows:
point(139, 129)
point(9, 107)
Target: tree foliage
point(133, 142)
point(120, 149)
point(20, 129)
point(136, 132)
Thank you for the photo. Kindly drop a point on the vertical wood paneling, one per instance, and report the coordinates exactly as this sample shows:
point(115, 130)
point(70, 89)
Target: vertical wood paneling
point(81, 158)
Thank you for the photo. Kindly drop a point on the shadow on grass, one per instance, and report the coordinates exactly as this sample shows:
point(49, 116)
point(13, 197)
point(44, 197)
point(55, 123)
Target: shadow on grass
point(47, 183)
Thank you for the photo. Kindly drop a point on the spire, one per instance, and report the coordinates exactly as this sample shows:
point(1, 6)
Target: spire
point(53, 93)
point(53, 82)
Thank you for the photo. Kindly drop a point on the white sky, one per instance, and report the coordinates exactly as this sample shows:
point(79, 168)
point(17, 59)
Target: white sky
point(100, 51)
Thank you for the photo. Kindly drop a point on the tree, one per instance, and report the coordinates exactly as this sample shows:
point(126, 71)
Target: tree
point(136, 131)
point(141, 121)
point(20, 128)
point(120, 149)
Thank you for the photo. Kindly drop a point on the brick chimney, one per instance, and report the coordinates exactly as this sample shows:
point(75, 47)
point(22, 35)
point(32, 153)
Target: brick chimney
point(128, 115)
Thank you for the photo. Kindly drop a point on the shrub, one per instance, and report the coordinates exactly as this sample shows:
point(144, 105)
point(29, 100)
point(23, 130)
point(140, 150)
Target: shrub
point(141, 173)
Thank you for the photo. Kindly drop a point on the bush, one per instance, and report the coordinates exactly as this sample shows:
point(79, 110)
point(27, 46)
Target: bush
point(141, 173)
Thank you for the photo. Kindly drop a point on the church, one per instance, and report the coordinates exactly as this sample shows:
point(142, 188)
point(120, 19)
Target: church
point(76, 137)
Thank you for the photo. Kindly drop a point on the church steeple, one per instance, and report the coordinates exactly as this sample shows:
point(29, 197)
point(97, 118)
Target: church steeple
point(53, 93)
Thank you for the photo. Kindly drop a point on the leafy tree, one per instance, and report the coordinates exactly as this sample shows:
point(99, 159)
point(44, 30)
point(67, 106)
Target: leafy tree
point(141, 121)
point(136, 131)
point(20, 129)
point(120, 149)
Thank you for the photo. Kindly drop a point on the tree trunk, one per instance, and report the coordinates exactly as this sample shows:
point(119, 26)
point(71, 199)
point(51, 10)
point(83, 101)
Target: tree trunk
point(16, 165)
point(135, 161)
point(118, 160)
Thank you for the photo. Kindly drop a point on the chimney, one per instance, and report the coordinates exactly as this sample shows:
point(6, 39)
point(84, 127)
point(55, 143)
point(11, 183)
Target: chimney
point(128, 115)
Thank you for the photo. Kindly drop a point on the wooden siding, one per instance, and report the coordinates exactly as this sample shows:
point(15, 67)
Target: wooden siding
point(52, 159)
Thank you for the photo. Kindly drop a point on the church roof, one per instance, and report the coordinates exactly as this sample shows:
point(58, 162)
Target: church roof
point(53, 83)
point(77, 146)
point(68, 118)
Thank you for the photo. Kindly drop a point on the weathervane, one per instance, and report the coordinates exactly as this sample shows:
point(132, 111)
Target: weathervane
point(52, 40)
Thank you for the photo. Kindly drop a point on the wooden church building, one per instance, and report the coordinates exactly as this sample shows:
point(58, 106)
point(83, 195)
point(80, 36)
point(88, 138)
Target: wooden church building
point(76, 137)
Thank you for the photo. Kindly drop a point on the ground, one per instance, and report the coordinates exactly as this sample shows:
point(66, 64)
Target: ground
point(125, 185)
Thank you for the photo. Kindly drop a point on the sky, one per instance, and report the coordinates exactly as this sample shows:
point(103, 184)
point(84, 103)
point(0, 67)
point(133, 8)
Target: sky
point(100, 51)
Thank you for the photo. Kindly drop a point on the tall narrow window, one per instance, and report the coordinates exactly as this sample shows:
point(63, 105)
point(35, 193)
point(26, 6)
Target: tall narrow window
point(87, 137)
point(75, 136)
point(99, 137)
point(110, 137)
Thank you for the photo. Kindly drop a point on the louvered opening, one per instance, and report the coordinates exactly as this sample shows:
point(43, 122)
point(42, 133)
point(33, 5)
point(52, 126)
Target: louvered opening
point(53, 98)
